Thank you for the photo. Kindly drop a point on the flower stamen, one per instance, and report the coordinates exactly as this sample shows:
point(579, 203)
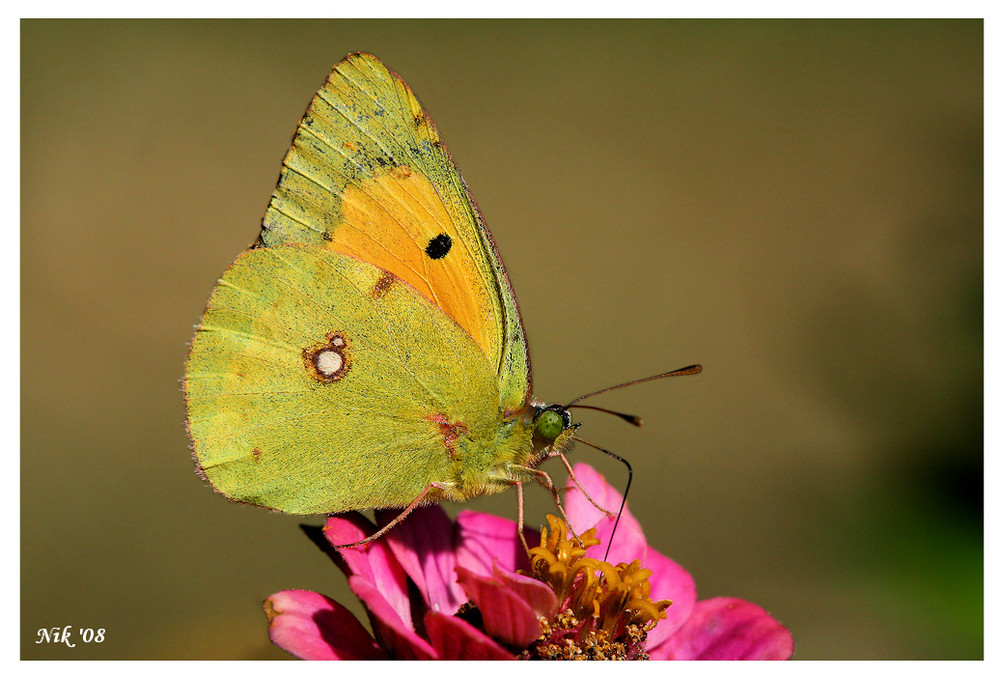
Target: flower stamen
point(604, 611)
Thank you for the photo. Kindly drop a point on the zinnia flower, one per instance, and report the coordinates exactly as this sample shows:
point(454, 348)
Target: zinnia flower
point(437, 589)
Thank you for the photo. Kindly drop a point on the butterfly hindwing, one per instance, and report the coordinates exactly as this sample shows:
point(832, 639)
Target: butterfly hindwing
point(320, 383)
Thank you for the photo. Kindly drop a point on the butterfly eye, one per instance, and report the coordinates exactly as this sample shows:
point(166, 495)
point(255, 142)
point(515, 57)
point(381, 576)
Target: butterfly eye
point(551, 422)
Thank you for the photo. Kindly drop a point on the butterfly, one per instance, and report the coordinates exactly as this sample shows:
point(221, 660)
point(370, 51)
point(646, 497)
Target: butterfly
point(367, 351)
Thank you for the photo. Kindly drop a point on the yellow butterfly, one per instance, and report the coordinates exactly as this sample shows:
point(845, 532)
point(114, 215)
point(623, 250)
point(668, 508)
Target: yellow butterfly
point(367, 352)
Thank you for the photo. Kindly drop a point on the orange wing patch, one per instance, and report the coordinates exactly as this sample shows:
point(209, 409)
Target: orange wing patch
point(396, 221)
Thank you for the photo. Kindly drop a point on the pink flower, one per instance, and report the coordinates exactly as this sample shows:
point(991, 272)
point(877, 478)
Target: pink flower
point(472, 604)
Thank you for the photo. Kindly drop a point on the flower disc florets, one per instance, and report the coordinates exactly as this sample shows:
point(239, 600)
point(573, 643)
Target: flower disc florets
point(604, 611)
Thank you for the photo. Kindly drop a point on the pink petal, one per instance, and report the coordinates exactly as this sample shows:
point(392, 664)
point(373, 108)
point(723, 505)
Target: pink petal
point(539, 596)
point(373, 561)
point(505, 615)
point(393, 634)
point(480, 539)
point(455, 639)
point(726, 628)
point(582, 512)
point(629, 541)
point(422, 545)
point(669, 581)
point(310, 626)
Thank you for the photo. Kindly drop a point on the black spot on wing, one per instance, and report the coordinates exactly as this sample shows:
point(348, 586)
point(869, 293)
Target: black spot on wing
point(439, 246)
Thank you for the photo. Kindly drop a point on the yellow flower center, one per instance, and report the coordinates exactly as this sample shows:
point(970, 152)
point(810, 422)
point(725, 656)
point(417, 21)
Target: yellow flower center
point(604, 610)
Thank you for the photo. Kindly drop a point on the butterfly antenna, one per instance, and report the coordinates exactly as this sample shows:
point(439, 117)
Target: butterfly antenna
point(628, 484)
point(634, 420)
point(693, 369)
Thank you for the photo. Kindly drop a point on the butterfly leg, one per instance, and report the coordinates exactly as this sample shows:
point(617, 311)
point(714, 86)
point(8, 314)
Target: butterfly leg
point(569, 470)
point(399, 518)
point(520, 517)
point(546, 481)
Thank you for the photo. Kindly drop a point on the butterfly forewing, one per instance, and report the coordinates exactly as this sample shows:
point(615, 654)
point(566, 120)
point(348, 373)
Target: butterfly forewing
point(368, 176)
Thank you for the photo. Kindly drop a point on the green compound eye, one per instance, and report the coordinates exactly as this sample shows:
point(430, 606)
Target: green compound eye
point(550, 423)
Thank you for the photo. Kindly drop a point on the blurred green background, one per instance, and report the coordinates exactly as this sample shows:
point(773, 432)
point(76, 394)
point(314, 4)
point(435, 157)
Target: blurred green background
point(797, 205)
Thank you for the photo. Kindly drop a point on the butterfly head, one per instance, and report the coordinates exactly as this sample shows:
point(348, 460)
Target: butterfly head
point(551, 421)
point(553, 428)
